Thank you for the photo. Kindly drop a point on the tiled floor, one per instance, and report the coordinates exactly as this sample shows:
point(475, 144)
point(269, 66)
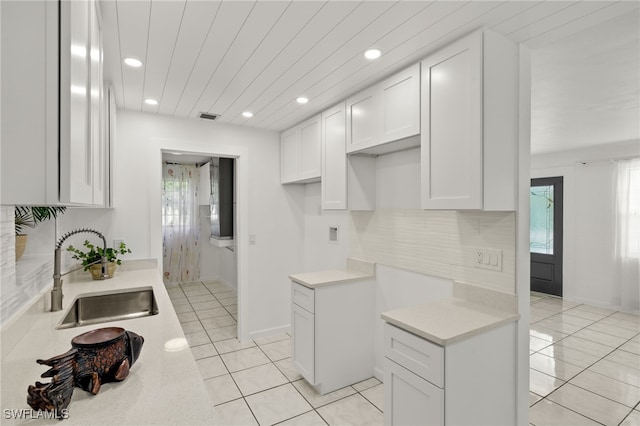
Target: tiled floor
point(585, 364)
point(254, 382)
point(585, 367)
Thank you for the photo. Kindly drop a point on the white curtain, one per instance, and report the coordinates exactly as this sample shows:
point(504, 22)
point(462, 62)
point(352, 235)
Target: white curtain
point(627, 219)
point(180, 223)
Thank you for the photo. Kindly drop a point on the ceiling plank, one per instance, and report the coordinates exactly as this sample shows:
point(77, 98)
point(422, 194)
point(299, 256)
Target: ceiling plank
point(196, 23)
point(249, 39)
point(613, 10)
point(296, 16)
point(224, 31)
point(166, 17)
point(558, 19)
point(312, 33)
point(133, 23)
point(398, 15)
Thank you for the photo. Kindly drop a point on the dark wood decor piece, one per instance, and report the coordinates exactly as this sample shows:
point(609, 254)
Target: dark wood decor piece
point(97, 356)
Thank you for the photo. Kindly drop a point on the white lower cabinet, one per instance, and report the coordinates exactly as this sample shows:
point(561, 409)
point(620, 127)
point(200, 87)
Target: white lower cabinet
point(468, 382)
point(332, 333)
point(303, 346)
point(411, 400)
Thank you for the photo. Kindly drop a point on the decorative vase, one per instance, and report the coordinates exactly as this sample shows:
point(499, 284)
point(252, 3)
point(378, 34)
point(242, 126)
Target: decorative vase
point(21, 245)
point(96, 270)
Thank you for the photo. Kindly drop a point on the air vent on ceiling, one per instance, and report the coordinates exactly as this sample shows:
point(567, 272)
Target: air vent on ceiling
point(208, 116)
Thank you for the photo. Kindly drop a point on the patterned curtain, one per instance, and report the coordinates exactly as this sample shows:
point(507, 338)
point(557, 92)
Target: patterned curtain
point(180, 223)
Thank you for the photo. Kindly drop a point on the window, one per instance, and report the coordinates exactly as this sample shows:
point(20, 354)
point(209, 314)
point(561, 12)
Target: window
point(541, 219)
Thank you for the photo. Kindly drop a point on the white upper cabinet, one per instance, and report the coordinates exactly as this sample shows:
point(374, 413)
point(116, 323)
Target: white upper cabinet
point(301, 152)
point(362, 120)
point(76, 156)
point(469, 124)
point(381, 117)
point(333, 186)
point(400, 105)
point(53, 140)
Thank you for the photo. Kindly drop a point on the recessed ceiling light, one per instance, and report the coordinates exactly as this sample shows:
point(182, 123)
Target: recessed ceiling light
point(302, 100)
point(247, 114)
point(372, 54)
point(133, 62)
point(150, 101)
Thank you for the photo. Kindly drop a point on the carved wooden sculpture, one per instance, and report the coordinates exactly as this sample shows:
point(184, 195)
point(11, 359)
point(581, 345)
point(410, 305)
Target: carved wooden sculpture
point(98, 356)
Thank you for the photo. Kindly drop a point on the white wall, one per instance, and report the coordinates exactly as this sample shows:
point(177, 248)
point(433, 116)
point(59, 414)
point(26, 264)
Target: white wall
point(274, 215)
point(319, 252)
point(589, 229)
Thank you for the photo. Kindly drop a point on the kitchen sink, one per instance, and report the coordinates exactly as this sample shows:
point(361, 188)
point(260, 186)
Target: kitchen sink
point(95, 308)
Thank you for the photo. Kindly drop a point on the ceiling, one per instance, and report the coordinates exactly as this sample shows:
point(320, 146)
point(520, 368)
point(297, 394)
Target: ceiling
point(233, 56)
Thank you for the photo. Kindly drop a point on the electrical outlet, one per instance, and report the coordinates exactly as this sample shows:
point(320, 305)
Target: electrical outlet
point(479, 254)
point(486, 258)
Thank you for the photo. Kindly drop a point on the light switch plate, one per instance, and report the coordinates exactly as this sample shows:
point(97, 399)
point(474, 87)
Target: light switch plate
point(487, 258)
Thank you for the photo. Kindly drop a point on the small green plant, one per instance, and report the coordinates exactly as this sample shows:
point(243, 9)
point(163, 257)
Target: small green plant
point(29, 217)
point(93, 254)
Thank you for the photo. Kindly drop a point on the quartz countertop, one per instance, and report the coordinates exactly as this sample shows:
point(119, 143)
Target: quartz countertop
point(447, 321)
point(162, 387)
point(356, 270)
point(328, 277)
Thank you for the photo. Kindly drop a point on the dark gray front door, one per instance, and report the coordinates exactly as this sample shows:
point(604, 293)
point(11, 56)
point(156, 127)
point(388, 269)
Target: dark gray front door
point(546, 235)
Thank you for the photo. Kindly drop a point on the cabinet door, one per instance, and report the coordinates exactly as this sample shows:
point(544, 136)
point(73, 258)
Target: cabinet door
point(310, 149)
point(76, 154)
point(289, 155)
point(362, 120)
point(452, 126)
point(97, 122)
point(400, 105)
point(334, 159)
point(303, 342)
point(410, 400)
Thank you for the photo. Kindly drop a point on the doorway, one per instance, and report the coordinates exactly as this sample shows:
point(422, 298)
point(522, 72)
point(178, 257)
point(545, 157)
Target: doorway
point(155, 149)
point(545, 244)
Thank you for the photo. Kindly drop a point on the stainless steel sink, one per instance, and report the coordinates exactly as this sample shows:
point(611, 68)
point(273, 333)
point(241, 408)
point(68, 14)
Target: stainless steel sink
point(96, 308)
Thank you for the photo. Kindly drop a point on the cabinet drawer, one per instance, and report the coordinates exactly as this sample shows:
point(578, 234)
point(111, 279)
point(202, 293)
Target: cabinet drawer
point(415, 354)
point(303, 296)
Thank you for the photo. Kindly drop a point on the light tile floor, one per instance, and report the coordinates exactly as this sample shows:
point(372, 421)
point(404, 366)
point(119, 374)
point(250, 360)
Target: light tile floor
point(254, 383)
point(585, 367)
point(584, 364)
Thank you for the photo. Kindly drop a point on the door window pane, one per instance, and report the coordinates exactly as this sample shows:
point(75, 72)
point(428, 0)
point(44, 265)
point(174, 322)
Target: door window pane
point(541, 225)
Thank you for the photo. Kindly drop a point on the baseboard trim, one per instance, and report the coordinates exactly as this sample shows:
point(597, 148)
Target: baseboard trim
point(270, 331)
point(378, 373)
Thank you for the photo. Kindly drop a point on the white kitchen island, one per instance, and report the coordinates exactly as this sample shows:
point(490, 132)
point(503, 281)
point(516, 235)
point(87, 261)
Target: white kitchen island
point(163, 387)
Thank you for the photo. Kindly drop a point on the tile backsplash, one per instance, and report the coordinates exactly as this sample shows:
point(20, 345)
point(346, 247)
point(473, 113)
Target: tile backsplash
point(438, 243)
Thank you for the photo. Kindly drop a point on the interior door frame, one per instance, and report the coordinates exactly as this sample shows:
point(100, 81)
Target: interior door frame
point(558, 236)
point(211, 149)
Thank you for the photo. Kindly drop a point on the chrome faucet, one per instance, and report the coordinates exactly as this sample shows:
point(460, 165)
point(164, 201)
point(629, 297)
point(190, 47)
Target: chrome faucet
point(56, 293)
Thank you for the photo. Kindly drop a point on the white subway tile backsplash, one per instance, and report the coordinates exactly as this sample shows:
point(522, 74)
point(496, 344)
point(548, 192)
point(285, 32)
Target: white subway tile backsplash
point(438, 243)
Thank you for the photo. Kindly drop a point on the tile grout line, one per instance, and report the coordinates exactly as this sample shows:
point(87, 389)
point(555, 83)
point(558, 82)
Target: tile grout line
point(600, 358)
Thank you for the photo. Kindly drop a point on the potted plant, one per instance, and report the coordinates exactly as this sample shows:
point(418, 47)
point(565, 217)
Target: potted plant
point(30, 217)
point(92, 256)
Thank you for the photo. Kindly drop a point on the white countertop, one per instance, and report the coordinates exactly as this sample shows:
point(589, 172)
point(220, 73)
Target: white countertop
point(162, 387)
point(446, 321)
point(328, 277)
